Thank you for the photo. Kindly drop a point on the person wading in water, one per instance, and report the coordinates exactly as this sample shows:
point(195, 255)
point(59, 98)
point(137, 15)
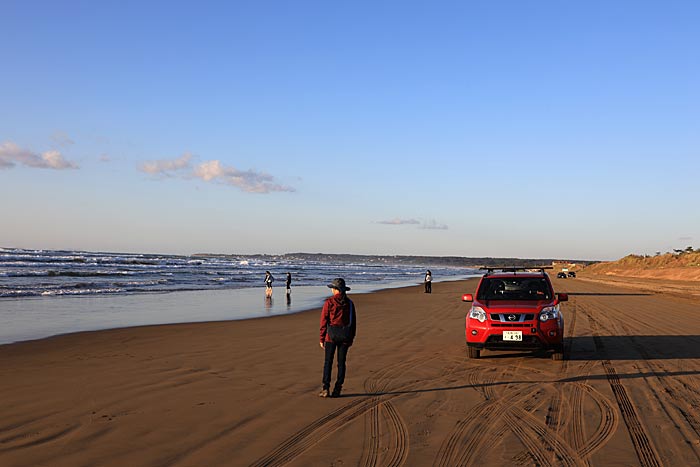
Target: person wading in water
point(269, 278)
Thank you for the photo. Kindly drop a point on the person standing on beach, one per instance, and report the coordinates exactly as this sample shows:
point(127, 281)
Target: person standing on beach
point(428, 282)
point(289, 283)
point(268, 283)
point(338, 328)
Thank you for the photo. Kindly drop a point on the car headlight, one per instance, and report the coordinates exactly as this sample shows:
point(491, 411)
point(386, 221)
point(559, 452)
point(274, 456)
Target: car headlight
point(477, 313)
point(549, 312)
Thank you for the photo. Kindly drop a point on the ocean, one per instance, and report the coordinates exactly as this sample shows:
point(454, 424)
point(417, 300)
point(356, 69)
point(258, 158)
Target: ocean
point(49, 292)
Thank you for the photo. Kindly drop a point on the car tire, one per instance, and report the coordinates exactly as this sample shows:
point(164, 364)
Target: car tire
point(473, 352)
point(558, 353)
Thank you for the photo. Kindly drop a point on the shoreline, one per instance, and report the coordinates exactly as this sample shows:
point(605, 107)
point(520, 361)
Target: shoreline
point(35, 318)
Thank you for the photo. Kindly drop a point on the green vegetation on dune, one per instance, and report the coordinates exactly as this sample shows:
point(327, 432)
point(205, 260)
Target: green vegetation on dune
point(683, 265)
point(690, 259)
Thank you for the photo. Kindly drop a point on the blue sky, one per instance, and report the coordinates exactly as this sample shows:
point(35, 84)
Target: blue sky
point(528, 129)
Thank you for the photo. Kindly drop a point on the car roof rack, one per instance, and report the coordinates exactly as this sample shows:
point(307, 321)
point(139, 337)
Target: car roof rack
point(514, 269)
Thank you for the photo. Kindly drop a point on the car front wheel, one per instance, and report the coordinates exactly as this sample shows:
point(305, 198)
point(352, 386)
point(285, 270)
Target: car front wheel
point(558, 353)
point(473, 352)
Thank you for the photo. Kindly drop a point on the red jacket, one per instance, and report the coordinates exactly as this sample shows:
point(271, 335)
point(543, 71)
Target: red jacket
point(336, 314)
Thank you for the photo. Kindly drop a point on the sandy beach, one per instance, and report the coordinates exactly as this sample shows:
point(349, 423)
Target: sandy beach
point(245, 392)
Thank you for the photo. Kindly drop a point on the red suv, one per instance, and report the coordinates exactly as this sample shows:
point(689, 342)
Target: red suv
point(515, 308)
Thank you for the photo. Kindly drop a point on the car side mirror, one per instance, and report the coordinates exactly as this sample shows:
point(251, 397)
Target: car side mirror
point(467, 297)
point(562, 297)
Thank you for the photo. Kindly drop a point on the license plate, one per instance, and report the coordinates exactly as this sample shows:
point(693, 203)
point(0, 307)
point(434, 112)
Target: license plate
point(512, 335)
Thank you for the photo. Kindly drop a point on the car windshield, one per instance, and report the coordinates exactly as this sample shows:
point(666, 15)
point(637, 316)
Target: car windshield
point(514, 288)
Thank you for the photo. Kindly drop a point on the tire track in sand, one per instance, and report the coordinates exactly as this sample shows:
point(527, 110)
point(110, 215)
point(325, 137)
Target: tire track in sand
point(448, 449)
point(511, 410)
point(315, 432)
point(676, 405)
point(574, 422)
point(646, 453)
point(488, 421)
point(395, 446)
point(319, 429)
point(399, 453)
point(524, 457)
point(380, 383)
point(575, 425)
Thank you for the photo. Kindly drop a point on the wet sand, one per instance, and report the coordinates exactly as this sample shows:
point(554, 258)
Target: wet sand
point(31, 318)
point(244, 392)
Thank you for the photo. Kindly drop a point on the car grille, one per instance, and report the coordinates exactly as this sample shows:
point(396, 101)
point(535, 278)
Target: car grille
point(512, 317)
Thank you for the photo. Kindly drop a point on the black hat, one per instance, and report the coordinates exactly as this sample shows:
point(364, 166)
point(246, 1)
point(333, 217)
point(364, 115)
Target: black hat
point(338, 283)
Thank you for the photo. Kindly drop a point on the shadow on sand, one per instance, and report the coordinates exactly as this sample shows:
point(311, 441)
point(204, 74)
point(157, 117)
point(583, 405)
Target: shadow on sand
point(572, 379)
point(598, 294)
point(598, 348)
point(619, 348)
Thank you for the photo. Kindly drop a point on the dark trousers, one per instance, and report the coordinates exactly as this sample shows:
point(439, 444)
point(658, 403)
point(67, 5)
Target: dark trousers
point(328, 364)
point(428, 287)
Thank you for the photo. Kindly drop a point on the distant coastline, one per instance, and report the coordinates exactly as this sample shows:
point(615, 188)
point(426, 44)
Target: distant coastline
point(449, 261)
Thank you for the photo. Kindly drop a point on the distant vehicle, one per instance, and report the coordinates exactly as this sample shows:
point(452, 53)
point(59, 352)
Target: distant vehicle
point(515, 309)
point(561, 275)
point(571, 273)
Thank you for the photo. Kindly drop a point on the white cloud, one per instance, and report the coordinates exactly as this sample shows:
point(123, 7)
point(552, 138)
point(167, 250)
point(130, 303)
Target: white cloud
point(398, 221)
point(248, 181)
point(430, 225)
point(214, 171)
point(165, 166)
point(11, 154)
point(208, 171)
point(433, 225)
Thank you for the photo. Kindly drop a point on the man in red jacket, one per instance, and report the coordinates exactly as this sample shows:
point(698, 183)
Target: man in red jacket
point(338, 326)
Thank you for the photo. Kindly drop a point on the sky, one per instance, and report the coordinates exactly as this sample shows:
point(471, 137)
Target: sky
point(542, 129)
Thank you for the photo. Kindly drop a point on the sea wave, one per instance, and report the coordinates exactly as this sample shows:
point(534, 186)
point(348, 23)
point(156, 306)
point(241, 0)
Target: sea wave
point(61, 272)
point(59, 292)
